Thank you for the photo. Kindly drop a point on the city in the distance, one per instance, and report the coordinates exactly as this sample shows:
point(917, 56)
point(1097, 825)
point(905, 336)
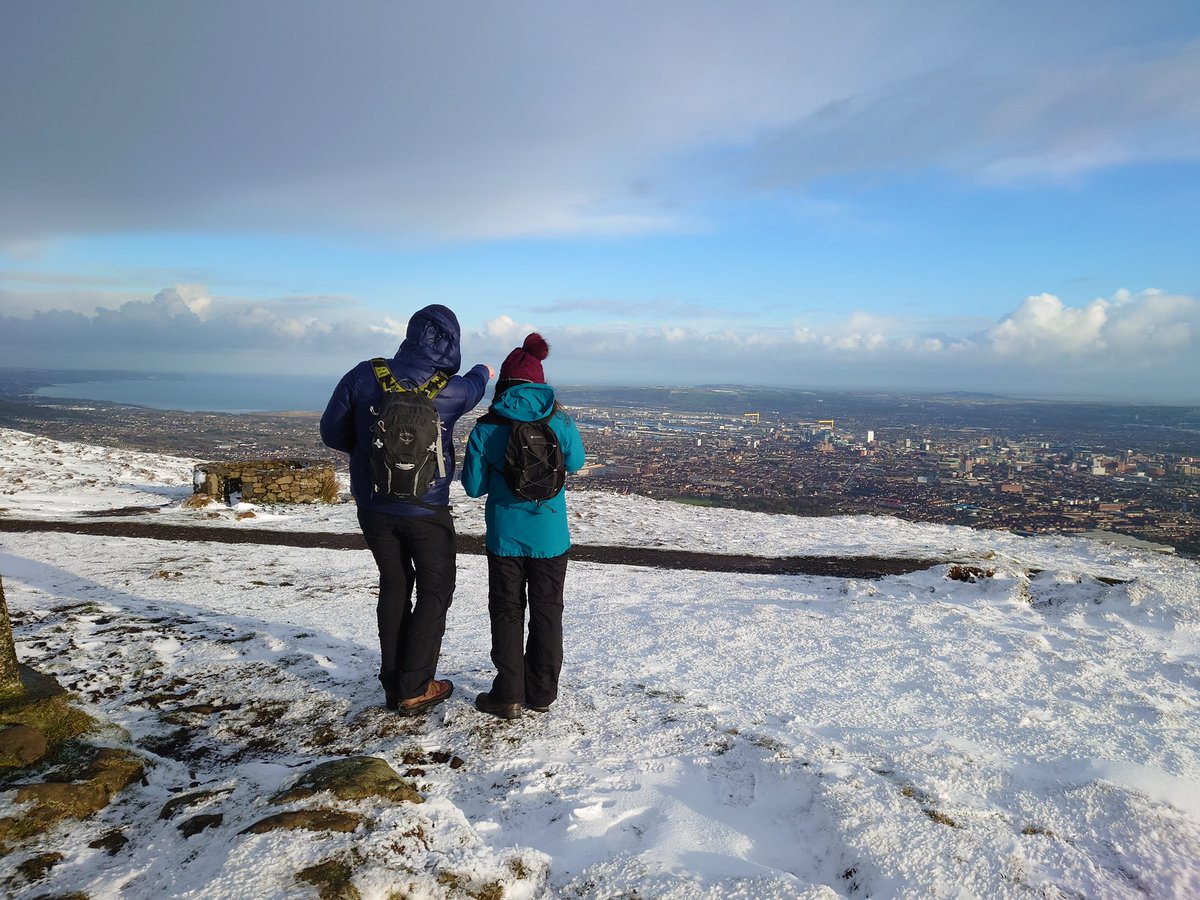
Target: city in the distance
point(1122, 472)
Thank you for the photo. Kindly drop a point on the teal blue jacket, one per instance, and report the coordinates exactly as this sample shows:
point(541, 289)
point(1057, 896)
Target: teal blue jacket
point(518, 527)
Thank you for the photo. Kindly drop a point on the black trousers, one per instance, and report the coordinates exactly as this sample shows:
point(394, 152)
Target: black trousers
point(411, 553)
point(515, 582)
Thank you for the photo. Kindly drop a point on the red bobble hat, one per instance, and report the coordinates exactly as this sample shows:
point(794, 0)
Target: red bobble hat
point(525, 363)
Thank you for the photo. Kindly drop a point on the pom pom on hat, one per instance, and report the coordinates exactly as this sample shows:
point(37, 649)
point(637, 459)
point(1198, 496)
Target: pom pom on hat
point(535, 345)
point(525, 363)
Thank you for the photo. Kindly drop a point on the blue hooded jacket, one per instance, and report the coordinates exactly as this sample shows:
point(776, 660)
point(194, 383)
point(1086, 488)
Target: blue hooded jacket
point(431, 344)
point(517, 527)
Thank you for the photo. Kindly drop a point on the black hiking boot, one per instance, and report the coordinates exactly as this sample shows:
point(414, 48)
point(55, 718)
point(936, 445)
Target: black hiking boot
point(485, 703)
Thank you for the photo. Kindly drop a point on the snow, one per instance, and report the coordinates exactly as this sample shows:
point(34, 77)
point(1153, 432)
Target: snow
point(1032, 733)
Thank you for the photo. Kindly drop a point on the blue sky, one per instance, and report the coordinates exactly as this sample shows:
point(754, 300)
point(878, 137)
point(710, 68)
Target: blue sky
point(922, 196)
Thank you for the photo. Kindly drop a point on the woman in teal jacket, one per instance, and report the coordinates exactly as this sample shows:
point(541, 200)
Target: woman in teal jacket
point(527, 541)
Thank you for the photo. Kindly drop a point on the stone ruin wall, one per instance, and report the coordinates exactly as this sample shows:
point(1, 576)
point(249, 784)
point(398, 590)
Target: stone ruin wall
point(267, 481)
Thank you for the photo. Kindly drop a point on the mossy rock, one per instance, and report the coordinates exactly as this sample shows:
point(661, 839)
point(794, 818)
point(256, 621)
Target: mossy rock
point(21, 746)
point(50, 804)
point(38, 867)
point(352, 778)
point(115, 770)
point(45, 706)
point(108, 773)
point(331, 879)
point(307, 820)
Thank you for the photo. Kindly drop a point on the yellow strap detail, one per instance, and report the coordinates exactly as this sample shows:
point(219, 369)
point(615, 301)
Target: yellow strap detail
point(388, 382)
point(436, 382)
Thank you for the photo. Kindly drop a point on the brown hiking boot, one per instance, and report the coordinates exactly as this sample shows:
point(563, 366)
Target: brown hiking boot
point(485, 703)
point(435, 692)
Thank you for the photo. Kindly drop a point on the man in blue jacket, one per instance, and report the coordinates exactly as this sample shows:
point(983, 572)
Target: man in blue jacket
point(413, 542)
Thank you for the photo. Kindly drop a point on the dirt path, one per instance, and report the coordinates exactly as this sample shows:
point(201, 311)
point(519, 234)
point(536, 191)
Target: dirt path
point(834, 566)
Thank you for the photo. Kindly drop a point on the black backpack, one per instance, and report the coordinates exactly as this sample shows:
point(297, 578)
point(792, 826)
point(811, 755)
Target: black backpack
point(406, 437)
point(533, 460)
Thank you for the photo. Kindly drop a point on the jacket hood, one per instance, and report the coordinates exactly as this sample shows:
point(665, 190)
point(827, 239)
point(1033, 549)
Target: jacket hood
point(433, 337)
point(526, 402)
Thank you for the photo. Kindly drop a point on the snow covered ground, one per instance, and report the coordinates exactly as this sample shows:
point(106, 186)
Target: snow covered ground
point(1032, 733)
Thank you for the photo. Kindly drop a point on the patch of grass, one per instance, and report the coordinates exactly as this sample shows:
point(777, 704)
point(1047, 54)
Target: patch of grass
point(38, 867)
point(459, 886)
point(940, 817)
point(324, 736)
point(88, 608)
point(241, 639)
point(517, 866)
point(1038, 831)
point(969, 574)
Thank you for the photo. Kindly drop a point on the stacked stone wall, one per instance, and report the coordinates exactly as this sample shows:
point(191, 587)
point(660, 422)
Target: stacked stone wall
point(267, 481)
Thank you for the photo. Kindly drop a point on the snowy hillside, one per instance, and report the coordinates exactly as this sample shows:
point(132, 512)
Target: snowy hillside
point(1030, 731)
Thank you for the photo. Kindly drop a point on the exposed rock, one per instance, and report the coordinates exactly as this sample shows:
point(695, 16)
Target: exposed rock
point(38, 867)
point(115, 770)
point(21, 745)
point(307, 819)
point(109, 772)
point(331, 879)
point(353, 778)
point(56, 800)
point(200, 709)
point(45, 706)
point(186, 801)
point(197, 824)
point(110, 842)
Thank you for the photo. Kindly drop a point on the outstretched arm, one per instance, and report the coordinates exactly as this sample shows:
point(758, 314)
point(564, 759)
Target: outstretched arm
point(467, 390)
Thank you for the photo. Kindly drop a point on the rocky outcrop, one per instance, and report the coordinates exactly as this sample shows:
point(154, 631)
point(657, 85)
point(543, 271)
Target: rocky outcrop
point(308, 819)
point(45, 803)
point(352, 778)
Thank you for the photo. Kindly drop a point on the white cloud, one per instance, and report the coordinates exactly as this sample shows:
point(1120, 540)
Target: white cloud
point(1042, 325)
point(392, 327)
point(196, 298)
point(1143, 342)
point(504, 329)
point(179, 322)
point(1127, 326)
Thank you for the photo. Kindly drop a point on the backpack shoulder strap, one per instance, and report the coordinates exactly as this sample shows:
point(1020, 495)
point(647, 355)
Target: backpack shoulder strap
point(431, 388)
point(384, 376)
point(434, 385)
